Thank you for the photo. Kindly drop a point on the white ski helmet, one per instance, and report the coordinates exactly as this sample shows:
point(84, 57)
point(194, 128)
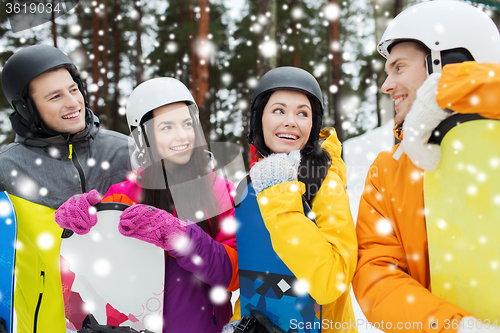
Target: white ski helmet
point(153, 94)
point(445, 27)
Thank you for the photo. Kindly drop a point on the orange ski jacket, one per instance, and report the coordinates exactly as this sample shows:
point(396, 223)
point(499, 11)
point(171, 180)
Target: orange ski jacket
point(392, 280)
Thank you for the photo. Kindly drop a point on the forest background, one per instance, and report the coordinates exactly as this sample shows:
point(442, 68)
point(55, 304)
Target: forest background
point(220, 49)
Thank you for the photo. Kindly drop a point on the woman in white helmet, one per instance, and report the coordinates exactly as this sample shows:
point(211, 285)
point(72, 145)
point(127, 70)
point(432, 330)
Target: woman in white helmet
point(178, 204)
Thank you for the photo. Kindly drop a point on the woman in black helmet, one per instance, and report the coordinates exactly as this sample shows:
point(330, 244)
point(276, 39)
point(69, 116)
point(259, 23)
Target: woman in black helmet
point(301, 161)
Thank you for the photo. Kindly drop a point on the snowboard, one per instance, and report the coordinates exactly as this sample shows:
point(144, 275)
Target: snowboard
point(266, 283)
point(8, 233)
point(117, 279)
point(462, 205)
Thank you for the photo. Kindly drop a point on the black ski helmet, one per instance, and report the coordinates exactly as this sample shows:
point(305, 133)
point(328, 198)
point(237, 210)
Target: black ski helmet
point(292, 78)
point(22, 67)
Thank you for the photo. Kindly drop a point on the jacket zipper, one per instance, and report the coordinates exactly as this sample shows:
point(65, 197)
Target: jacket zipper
point(42, 283)
point(78, 166)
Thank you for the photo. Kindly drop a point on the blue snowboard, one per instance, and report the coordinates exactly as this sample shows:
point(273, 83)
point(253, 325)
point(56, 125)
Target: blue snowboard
point(265, 281)
point(8, 234)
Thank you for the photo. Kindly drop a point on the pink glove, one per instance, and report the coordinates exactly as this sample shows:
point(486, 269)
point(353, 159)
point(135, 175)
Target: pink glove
point(152, 225)
point(74, 214)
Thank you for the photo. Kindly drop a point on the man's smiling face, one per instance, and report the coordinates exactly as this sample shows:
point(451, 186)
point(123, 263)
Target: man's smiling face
point(406, 72)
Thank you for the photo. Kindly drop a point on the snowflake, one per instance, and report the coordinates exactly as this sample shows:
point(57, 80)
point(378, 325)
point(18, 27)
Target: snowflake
point(228, 225)
point(252, 82)
point(199, 214)
point(335, 46)
point(218, 295)
point(332, 12)
point(172, 47)
point(474, 100)
point(297, 13)
point(102, 267)
point(27, 187)
point(301, 287)
point(45, 241)
point(5, 208)
point(197, 260)
point(384, 227)
point(319, 70)
point(242, 104)
point(268, 48)
point(75, 29)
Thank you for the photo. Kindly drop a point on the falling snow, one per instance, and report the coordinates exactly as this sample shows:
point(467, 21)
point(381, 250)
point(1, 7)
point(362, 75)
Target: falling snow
point(45, 241)
point(5, 208)
point(218, 295)
point(268, 48)
point(301, 287)
point(197, 260)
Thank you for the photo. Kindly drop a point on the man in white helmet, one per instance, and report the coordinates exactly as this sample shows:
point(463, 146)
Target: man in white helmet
point(392, 283)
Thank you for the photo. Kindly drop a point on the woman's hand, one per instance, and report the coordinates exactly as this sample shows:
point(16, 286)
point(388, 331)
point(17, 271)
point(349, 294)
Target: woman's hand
point(153, 225)
point(275, 169)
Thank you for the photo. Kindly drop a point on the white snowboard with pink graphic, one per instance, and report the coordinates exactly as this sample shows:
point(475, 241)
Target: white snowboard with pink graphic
point(117, 279)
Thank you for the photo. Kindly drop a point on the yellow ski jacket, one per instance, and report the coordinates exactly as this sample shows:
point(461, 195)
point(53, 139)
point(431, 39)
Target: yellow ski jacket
point(324, 255)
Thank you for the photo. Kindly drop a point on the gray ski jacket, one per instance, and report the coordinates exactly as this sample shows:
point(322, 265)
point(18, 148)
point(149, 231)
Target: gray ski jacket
point(40, 174)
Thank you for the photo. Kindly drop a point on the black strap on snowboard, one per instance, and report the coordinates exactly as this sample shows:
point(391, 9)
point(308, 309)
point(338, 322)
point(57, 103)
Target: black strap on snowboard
point(67, 233)
point(446, 125)
point(3, 328)
point(257, 322)
point(90, 325)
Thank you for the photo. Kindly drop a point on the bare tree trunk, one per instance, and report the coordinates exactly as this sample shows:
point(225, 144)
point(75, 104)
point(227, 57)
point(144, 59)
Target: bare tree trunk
point(398, 7)
point(54, 26)
point(202, 66)
point(84, 64)
point(264, 64)
point(192, 54)
point(295, 53)
point(182, 49)
point(268, 32)
point(105, 81)
point(116, 67)
point(95, 52)
point(139, 65)
point(337, 74)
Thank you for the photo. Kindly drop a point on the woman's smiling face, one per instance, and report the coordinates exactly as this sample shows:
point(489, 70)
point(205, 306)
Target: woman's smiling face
point(286, 121)
point(174, 133)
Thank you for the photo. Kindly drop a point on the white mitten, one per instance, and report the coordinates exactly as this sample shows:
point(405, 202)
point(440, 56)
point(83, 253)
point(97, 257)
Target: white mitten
point(474, 325)
point(275, 169)
point(424, 116)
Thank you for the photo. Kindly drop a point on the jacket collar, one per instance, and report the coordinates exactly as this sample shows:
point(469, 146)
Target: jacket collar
point(28, 138)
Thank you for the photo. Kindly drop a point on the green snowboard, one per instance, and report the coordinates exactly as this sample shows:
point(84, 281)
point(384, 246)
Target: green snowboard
point(462, 205)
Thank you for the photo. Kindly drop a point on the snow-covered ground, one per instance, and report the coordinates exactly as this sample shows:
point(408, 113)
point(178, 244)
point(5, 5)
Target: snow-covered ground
point(359, 154)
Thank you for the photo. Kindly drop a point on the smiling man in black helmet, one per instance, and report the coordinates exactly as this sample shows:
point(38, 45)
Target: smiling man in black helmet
point(59, 151)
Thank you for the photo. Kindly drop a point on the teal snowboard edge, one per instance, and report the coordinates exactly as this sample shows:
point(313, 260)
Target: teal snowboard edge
point(8, 232)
